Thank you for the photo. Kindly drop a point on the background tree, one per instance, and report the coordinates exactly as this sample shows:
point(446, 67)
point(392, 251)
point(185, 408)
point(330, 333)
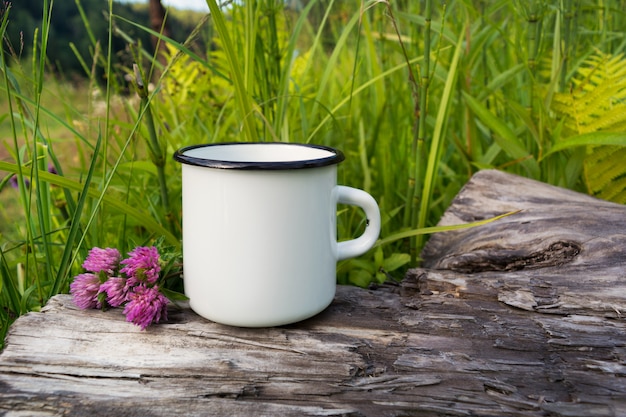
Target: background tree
point(68, 28)
point(158, 23)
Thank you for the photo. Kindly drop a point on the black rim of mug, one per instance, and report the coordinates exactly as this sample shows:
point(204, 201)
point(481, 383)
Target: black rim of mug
point(336, 157)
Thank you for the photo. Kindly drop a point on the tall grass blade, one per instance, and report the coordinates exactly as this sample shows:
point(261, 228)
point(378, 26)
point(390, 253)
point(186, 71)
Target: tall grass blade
point(9, 292)
point(242, 96)
point(39, 151)
point(438, 139)
point(283, 95)
point(438, 229)
point(66, 257)
point(416, 157)
point(330, 67)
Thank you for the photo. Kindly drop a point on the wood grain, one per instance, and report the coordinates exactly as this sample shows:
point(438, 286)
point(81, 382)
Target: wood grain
point(523, 317)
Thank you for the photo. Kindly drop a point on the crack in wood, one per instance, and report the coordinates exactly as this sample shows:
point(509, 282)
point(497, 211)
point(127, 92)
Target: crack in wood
point(503, 259)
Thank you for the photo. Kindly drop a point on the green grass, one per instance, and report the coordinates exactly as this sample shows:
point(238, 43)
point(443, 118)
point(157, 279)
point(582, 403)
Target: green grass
point(417, 98)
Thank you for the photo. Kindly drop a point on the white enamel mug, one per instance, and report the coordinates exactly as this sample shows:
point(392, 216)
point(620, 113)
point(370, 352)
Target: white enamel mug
point(259, 230)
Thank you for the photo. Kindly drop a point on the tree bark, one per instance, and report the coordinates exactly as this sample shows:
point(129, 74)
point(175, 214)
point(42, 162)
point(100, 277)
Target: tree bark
point(522, 317)
point(159, 25)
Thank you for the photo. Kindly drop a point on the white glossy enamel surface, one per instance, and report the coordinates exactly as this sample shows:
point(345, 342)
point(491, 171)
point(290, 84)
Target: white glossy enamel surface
point(259, 246)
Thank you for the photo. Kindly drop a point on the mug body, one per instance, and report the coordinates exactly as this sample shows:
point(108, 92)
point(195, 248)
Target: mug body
point(259, 231)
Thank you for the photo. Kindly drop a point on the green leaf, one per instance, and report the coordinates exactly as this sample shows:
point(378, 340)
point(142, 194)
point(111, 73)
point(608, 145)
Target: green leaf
point(593, 138)
point(173, 295)
point(438, 139)
point(364, 264)
point(504, 136)
point(360, 277)
point(395, 261)
point(435, 229)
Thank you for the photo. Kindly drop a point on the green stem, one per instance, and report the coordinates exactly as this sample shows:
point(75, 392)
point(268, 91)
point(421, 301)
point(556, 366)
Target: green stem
point(413, 160)
point(156, 152)
point(568, 17)
point(417, 242)
point(416, 160)
point(42, 195)
point(534, 32)
point(14, 296)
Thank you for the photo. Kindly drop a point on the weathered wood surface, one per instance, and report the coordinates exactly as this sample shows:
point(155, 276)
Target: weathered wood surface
point(523, 317)
point(565, 253)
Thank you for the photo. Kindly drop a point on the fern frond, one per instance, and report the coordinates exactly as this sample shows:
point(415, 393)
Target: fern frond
point(597, 68)
point(605, 173)
point(609, 121)
point(620, 197)
point(606, 95)
point(597, 103)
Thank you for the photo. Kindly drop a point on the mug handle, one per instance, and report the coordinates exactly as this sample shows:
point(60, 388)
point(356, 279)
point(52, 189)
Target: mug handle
point(356, 247)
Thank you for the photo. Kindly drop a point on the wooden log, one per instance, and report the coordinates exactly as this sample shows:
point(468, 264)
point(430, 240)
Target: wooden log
point(499, 322)
point(563, 254)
